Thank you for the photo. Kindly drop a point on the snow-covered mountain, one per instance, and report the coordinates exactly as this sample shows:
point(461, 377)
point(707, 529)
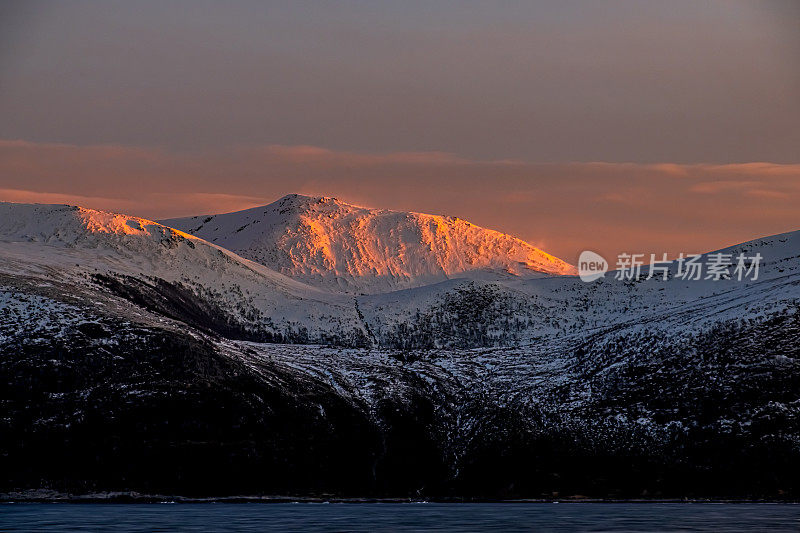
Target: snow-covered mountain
point(326, 242)
point(514, 312)
point(109, 255)
point(143, 261)
point(137, 357)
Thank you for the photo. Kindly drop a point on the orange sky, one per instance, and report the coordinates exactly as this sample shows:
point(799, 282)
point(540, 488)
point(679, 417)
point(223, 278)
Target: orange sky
point(563, 208)
point(621, 125)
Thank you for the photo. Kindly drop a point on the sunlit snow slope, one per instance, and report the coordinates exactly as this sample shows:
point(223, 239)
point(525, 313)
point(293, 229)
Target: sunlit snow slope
point(324, 241)
point(153, 265)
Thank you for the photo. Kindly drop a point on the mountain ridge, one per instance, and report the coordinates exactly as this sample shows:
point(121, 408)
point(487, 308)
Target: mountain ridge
point(324, 241)
point(162, 363)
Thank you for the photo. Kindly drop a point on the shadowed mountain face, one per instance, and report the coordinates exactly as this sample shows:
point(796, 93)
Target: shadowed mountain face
point(134, 357)
point(99, 404)
point(326, 242)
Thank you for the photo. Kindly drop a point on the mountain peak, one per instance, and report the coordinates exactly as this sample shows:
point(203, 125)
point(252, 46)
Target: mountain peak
point(303, 199)
point(310, 203)
point(324, 241)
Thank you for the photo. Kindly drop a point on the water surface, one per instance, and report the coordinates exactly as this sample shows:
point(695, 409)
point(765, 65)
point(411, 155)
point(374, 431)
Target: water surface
point(247, 517)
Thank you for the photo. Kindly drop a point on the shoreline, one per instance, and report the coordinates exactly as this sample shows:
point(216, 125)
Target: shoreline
point(39, 496)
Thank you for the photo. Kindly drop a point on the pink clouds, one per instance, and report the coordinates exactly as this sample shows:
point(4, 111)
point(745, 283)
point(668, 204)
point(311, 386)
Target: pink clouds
point(35, 197)
point(609, 207)
point(773, 183)
point(179, 202)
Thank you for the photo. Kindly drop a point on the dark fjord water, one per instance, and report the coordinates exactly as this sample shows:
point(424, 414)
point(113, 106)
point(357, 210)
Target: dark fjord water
point(645, 517)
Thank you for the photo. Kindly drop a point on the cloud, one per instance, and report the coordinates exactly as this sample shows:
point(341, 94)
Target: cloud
point(773, 184)
point(36, 197)
point(714, 187)
point(606, 206)
point(181, 203)
point(763, 193)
